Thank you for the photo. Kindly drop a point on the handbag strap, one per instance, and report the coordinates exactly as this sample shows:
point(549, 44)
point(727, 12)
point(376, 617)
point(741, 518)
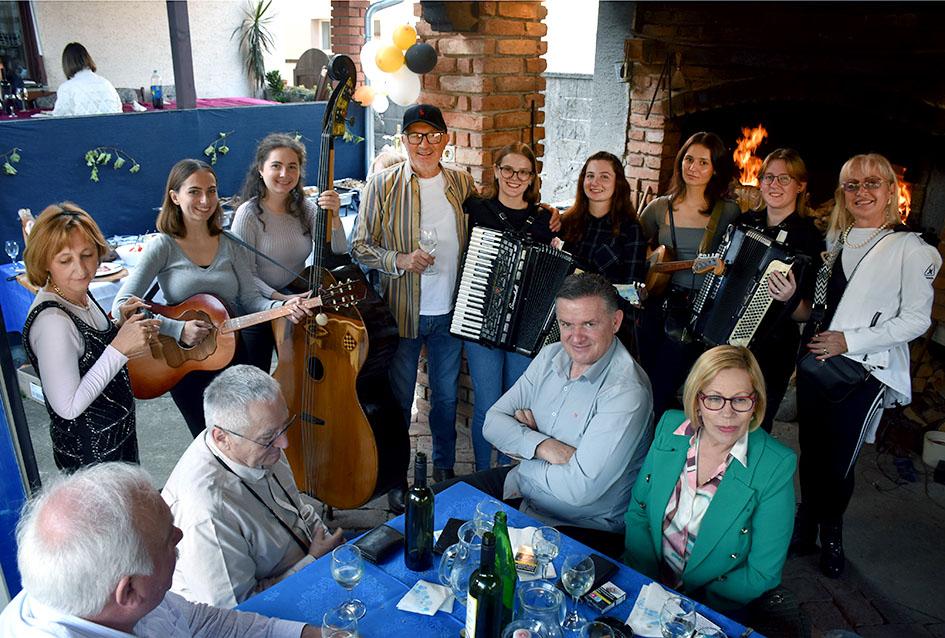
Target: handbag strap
point(711, 227)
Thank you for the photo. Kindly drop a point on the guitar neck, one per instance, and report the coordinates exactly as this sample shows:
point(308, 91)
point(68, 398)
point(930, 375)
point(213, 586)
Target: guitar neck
point(672, 266)
point(238, 323)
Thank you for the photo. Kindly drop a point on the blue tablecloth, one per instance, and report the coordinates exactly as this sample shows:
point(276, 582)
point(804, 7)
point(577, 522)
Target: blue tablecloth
point(308, 594)
point(15, 300)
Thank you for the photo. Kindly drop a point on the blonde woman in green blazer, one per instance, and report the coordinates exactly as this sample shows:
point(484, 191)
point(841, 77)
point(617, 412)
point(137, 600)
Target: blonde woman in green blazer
point(712, 510)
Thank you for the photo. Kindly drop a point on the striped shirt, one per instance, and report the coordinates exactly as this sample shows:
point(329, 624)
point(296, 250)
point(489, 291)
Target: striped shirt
point(389, 223)
point(689, 503)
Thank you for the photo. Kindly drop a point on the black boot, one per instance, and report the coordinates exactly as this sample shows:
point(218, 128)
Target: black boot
point(395, 498)
point(442, 474)
point(804, 538)
point(832, 559)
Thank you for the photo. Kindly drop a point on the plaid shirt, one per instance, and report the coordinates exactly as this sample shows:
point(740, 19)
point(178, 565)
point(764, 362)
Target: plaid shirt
point(620, 259)
point(389, 223)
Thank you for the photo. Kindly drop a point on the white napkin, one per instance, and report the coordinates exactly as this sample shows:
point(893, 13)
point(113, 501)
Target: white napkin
point(137, 107)
point(523, 536)
point(427, 599)
point(644, 619)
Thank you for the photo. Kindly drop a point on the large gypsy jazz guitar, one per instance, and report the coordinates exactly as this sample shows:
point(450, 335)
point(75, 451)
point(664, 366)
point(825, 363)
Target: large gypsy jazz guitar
point(352, 443)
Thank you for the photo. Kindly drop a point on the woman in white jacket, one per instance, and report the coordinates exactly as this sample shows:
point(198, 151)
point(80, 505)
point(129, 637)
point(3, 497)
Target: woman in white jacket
point(878, 279)
point(84, 92)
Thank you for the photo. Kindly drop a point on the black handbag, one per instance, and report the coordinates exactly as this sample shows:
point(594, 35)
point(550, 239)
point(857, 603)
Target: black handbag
point(835, 378)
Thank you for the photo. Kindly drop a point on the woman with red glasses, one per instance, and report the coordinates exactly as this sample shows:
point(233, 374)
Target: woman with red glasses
point(710, 512)
point(873, 295)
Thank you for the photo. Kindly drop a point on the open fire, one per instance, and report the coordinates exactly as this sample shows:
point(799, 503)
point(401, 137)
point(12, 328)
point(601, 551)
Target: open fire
point(748, 164)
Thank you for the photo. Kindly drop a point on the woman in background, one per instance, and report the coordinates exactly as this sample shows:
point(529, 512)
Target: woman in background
point(78, 353)
point(83, 92)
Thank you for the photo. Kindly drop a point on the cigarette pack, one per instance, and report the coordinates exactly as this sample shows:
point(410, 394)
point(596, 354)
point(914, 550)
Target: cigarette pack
point(525, 560)
point(605, 597)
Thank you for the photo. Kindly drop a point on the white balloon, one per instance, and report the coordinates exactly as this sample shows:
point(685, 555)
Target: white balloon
point(380, 103)
point(404, 86)
point(368, 65)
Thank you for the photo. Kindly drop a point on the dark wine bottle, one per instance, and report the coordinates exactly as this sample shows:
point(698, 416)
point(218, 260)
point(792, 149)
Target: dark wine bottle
point(418, 520)
point(505, 565)
point(484, 600)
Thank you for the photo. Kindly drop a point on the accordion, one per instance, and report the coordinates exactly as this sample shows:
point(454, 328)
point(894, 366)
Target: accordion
point(505, 296)
point(730, 308)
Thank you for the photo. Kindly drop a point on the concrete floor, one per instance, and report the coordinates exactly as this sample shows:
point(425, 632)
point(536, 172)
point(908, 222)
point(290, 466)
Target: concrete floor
point(894, 531)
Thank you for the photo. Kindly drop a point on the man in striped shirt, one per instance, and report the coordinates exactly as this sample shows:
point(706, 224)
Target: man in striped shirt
point(397, 203)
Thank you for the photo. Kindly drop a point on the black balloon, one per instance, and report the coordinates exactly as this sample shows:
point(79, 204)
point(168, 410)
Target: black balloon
point(420, 58)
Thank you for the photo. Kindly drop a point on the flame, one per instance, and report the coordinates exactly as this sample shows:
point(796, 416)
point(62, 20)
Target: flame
point(748, 164)
point(905, 198)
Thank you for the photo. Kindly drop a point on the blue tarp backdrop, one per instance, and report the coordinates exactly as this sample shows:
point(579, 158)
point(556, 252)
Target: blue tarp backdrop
point(52, 158)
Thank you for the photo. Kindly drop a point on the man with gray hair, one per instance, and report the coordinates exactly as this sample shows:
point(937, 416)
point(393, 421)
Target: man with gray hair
point(246, 525)
point(96, 551)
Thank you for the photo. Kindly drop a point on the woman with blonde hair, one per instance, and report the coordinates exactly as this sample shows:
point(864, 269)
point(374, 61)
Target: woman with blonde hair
point(710, 512)
point(78, 353)
point(873, 295)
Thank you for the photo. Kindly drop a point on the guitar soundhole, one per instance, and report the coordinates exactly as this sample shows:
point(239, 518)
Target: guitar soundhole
point(315, 369)
point(349, 342)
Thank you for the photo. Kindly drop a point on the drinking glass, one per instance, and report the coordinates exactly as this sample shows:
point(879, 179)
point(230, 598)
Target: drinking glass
point(339, 623)
point(347, 567)
point(709, 632)
point(546, 543)
point(13, 249)
point(597, 630)
point(577, 576)
point(428, 245)
point(485, 514)
point(678, 618)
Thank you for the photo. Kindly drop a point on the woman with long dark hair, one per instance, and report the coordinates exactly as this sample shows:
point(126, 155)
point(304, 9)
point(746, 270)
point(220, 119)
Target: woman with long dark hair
point(690, 219)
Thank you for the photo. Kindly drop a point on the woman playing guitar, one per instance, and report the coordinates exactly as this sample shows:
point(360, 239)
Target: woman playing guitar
point(191, 256)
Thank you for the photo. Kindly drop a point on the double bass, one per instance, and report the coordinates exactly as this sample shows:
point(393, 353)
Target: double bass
point(351, 443)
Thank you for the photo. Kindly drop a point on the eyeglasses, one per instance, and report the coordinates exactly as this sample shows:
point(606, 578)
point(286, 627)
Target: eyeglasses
point(852, 185)
point(768, 178)
point(432, 138)
point(714, 402)
point(508, 173)
point(265, 446)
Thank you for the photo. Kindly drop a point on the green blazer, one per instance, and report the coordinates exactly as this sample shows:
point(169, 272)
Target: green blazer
point(743, 540)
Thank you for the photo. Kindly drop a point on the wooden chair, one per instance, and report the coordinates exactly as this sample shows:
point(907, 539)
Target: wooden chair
point(309, 68)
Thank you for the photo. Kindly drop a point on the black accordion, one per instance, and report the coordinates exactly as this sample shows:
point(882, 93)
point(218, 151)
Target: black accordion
point(731, 308)
point(505, 296)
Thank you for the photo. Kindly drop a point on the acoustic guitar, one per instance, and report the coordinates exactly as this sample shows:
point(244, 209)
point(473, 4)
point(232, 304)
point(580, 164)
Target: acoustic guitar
point(166, 361)
point(662, 265)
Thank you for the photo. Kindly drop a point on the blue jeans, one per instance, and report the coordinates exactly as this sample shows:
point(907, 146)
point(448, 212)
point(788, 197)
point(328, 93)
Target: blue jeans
point(493, 372)
point(444, 354)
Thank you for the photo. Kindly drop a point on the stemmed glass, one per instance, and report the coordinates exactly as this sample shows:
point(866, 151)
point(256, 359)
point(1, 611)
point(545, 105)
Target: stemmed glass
point(677, 618)
point(339, 623)
point(13, 249)
point(428, 241)
point(577, 576)
point(596, 629)
point(709, 632)
point(485, 514)
point(347, 568)
point(546, 543)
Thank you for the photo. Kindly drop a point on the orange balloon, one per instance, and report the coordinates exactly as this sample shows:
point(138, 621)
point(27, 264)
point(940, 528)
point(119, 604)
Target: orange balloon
point(389, 59)
point(405, 36)
point(365, 95)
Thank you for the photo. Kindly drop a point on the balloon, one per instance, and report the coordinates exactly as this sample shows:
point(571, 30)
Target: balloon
point(404, 37)
point(420, 58)
point(365, 95)
point(389, 58)
point(380, 103)
point(368, 64)
point(404, 87)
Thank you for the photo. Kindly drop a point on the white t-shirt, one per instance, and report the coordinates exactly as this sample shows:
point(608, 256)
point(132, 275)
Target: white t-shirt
point(436, 291)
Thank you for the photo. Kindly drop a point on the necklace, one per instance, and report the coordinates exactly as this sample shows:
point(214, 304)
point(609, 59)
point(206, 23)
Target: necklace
point(843, 237)
point(84, 306)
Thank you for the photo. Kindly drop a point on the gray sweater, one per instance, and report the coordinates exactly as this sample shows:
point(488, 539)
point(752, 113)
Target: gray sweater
point(228, 277)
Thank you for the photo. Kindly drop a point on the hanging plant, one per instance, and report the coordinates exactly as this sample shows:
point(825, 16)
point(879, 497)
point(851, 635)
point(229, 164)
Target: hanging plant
point(10, 158)
point(102, 155)
point(217, 146)
point(255, 39)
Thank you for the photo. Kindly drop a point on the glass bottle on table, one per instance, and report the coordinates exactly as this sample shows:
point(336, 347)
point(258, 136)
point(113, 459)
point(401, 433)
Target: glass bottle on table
point(484, 598)
point(505, 565)
point(418, 519)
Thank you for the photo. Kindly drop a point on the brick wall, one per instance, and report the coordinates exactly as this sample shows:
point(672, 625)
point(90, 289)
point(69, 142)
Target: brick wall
point(347, 30)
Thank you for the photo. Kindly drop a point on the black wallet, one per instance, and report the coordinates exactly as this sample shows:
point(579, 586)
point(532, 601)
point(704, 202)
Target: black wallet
point(449, 535)
point(603, 570)
point(379, 543)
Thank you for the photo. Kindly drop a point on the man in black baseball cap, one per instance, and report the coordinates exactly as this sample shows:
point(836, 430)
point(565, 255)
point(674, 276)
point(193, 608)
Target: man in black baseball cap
point(396, 205)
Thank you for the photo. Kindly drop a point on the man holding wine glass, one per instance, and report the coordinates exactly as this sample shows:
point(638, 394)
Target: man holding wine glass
point(246, 525)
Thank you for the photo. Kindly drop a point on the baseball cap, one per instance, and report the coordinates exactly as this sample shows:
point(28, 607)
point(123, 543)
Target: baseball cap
point(424, 113)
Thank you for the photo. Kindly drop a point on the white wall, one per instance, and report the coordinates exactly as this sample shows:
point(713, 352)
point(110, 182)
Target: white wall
point(572, 35)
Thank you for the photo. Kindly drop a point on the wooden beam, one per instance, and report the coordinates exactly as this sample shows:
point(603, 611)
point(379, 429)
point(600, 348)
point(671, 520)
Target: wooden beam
point(182, 55)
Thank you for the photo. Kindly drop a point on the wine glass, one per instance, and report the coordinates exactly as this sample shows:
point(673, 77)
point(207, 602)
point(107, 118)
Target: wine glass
point(597, 629)
point(677, 618)
point(485, 514)
point(339, 623)
point(428, 245)
point(347, 568)
point(577, 576)
point(13, 249)
point(546, 543)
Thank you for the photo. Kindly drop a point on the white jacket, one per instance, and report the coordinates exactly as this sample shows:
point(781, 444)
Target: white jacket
point(86, 93)
point(886, 304)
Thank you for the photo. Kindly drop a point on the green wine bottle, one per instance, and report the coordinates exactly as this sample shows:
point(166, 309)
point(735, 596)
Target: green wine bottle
point(418, 520)
point(505, 565)
point(484, 600)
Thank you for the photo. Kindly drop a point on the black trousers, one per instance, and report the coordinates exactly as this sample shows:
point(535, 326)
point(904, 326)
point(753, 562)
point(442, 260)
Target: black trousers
point(776, 357)
point(831, 435)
